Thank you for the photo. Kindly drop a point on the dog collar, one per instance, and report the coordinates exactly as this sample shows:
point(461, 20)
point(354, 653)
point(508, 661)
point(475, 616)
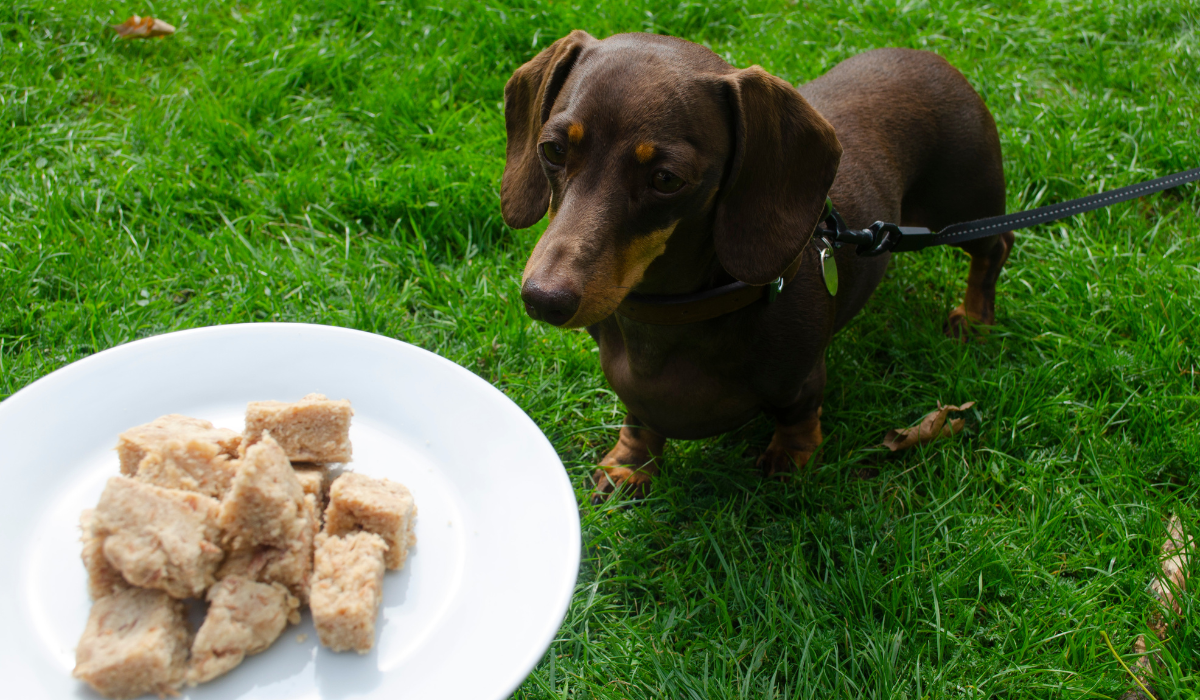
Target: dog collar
point(678, 309)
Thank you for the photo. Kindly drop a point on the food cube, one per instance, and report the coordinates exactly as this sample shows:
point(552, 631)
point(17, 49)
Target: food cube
point(188, 464)
point(135, 642)
point(265, 502)
point(386, 508)
point(347, 588)
point(244, 617)
point(290, 565)
point(134, 444)
point(313, 429)
point(159, 538)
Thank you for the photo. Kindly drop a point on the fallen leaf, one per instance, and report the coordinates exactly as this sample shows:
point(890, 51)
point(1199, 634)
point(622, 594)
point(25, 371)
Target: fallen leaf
point(142, 28)
point(932, 427)
point(1176, 559)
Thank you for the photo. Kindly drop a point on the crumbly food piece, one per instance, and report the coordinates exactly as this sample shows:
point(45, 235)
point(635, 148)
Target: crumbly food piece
point(244, 617)
point(313, 429)
point(135, 642)
point(189, 464)
point(290, 566)
point(347, 589)
point(159, 538)
point(103, 579)
point(134, 444)
point(265, 503)
point(384, 507)
point(314, 479)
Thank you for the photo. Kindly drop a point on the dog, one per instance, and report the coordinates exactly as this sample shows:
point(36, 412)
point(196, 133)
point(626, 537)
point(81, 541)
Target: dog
point(666, 172)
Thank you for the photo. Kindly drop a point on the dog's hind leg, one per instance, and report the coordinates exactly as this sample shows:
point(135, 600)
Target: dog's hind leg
point(988, 256)
point(797, 429)
point(961, 178)
point(631, 464)
point(959, 193)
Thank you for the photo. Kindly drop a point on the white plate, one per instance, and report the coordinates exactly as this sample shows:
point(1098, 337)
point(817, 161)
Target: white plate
point(474, 609)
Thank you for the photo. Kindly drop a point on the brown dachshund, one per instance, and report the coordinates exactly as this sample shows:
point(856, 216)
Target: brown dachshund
point(666, 171)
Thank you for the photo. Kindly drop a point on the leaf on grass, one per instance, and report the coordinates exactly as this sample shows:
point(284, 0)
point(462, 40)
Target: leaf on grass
point(932, 427)
point(142, 28)
point(1176, 559)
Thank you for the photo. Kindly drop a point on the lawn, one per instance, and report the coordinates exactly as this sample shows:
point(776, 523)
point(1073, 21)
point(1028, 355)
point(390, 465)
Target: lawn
point(338, 162)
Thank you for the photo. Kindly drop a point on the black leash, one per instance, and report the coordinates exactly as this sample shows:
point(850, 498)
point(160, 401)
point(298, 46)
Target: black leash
point(880, 237)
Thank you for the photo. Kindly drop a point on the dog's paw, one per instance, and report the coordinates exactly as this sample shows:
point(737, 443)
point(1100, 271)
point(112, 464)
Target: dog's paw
point(609, 480)
point(792, 447)
point(963, 326)
point(780, 463)
point(959, 325)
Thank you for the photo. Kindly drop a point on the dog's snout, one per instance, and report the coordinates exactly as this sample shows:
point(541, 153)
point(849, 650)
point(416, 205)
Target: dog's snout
point(554, 304)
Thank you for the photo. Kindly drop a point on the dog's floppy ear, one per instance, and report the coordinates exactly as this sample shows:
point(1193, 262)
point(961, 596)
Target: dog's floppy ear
point(785, 156)
point(528, 98)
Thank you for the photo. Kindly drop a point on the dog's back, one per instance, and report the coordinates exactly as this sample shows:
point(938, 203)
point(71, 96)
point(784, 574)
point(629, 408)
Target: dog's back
point(918, 142)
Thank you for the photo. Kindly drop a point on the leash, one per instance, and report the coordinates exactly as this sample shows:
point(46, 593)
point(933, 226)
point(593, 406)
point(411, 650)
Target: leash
point(881, 237)
point(878, 238)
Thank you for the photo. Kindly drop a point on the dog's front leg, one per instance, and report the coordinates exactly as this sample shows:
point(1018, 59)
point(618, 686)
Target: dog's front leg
point(797, 429)
point(631, 463)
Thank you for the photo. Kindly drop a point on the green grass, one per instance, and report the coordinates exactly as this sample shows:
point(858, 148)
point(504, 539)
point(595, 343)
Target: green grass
point(339, 162)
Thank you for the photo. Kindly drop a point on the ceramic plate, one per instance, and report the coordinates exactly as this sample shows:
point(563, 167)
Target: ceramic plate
point(474, 609)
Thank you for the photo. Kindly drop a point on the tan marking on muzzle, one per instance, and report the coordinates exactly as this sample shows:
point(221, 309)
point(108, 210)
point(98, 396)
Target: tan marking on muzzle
point(575, 132)
point(606, 289)
point(644, 152)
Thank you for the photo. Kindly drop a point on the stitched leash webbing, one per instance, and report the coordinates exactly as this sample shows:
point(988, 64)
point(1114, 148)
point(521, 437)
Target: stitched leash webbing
point(916, 239)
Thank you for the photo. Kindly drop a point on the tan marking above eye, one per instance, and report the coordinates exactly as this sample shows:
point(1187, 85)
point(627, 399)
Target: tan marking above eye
point(575, 132)
point(644, 152)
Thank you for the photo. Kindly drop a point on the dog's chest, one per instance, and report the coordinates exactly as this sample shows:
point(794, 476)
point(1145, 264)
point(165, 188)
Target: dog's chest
point(692, 384)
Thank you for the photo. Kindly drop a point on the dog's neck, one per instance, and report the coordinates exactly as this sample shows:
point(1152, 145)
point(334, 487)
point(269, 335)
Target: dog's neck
point(689, 263)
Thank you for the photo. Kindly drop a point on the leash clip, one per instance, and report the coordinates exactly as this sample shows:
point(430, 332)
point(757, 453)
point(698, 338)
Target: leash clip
point(833, 229)
point(884, 237)
point(876, 239)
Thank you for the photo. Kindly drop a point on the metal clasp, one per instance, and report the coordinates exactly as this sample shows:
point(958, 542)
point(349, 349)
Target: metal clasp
point(884, 238)
point(876, 239)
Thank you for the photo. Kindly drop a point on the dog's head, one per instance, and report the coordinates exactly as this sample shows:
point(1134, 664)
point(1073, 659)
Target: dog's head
point(626, 140)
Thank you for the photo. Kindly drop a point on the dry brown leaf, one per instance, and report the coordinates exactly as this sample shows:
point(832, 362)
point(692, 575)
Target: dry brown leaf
point(931, 427)
point(142, 28)
point(1177, 552)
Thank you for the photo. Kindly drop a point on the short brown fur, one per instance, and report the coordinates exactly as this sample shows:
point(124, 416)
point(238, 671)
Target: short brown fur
point(757, 159)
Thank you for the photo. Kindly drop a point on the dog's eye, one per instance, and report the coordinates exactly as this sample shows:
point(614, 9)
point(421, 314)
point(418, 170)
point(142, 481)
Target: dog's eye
point(666, 181)
point(554, 153)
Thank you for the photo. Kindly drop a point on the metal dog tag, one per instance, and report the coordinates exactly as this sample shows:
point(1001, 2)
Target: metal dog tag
point(829, 271)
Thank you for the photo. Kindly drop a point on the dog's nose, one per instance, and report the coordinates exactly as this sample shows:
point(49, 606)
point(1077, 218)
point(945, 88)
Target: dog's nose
point(554, 305)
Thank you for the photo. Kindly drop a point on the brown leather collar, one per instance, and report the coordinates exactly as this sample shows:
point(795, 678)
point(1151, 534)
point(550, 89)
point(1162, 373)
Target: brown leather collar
point(677, 309)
